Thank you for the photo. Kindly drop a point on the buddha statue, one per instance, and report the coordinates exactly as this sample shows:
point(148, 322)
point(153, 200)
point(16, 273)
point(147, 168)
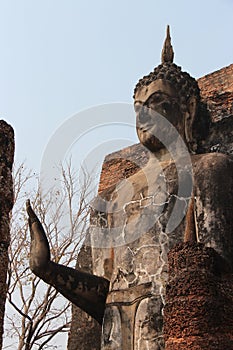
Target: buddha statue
point(179, 195)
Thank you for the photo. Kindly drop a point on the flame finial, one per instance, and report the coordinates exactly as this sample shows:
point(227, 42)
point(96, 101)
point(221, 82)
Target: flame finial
point(167, 52)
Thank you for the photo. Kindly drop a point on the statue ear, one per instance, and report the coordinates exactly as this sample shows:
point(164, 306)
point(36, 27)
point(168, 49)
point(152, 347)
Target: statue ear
point(190, 115)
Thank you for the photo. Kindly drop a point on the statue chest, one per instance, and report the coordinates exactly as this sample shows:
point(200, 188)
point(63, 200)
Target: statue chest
point(144, 219)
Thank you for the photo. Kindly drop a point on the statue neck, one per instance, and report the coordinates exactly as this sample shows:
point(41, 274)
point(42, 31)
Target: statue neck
point(178, 151)
point(161, 155)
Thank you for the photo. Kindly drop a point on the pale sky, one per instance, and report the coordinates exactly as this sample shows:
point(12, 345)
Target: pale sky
point(60, 57)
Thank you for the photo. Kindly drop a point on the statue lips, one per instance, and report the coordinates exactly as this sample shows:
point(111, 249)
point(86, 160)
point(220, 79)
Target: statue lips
point(148, 137)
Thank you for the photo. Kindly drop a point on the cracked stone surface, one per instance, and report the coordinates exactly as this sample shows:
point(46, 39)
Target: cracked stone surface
point(139, 266)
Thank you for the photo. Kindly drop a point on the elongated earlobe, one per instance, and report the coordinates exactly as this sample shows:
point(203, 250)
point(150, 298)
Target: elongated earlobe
point(190, 115)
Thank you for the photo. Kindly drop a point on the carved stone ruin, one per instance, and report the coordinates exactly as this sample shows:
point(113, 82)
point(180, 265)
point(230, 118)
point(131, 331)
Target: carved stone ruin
point(140, 220)
point(6, 203)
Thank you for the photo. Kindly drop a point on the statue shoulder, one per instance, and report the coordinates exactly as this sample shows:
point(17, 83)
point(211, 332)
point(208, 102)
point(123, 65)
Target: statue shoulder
point(213, 164)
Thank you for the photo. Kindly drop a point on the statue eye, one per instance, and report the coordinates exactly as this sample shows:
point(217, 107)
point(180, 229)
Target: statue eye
point(157, 98)
point(166, 105)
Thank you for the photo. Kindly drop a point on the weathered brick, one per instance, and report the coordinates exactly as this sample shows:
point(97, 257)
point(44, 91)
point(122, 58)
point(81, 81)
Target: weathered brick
point(6, 203)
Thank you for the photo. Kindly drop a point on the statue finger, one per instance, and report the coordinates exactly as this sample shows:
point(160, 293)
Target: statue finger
point(31, 214)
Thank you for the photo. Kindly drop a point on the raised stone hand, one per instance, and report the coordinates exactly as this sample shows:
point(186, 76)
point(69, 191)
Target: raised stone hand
point(86, 291)
point(39, 250)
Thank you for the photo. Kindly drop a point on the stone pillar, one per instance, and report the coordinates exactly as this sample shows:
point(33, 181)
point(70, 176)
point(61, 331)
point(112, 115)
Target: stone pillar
point(199, 300)
point(6, 203)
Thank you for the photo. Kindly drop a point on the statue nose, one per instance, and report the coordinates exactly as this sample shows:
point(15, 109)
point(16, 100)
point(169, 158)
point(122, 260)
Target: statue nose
point(144, 117)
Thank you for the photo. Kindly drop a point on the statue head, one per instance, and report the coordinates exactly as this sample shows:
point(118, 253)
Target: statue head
point(172, 94)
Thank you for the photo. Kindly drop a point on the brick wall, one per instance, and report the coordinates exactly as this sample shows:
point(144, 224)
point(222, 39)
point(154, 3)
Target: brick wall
point(220, 80)
point(217, 91)
point(122, 164)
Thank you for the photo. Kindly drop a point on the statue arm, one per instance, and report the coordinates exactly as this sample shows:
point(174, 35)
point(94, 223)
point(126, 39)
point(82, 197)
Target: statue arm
point(214, 202)
point(86, 291)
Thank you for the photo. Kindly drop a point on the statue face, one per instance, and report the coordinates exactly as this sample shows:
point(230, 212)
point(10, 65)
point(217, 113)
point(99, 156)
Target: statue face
point(157, 99)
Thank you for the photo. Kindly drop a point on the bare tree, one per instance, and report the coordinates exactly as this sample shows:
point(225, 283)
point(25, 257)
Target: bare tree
point(36, 312)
